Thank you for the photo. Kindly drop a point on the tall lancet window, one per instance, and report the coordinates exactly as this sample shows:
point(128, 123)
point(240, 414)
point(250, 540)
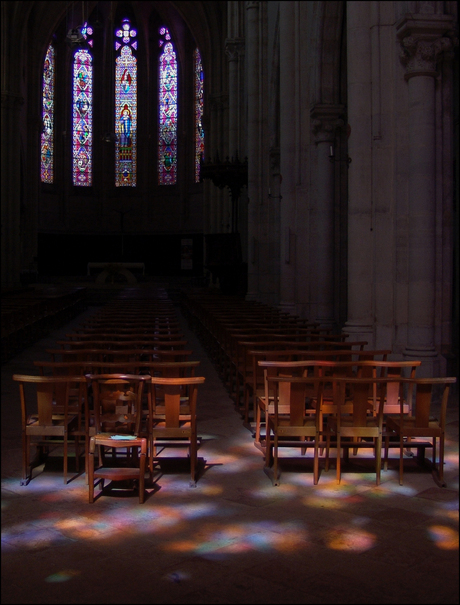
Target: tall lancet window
point(47, 136)
point(167, 139)
point(82, 115)
point(125, 106)
point(199, 132)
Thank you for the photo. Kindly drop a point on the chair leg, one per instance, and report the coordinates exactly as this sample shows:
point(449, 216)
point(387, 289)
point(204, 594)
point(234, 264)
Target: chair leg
point(91, 476)
point(338, 469)
point(401, 459)
point(268, 448)
point(65, 458)
point(328, 445)
point(257, 413)
point(378, 459)
point(193, 460)
point(275, 460)
point(385, 459)
point(26, 460)
point(441, 461)
point(315, 461)
point(142, 477)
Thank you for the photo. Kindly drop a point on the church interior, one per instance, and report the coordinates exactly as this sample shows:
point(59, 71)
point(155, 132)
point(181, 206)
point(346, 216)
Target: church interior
point(221, 163)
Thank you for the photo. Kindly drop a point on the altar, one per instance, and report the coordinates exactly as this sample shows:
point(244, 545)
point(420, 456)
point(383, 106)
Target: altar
point(112, 270)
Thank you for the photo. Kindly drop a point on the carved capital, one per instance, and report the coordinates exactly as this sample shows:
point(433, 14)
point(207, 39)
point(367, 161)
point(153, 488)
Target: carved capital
point(325, 120)
point(274, 155)
point(425, 39)
point(420, 57)
point(234, 47)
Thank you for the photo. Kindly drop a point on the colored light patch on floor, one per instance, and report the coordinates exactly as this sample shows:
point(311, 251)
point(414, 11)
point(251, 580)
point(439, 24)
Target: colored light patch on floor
point(356, 541)
point(62, 576)
point(444, 537)
point(241, 538)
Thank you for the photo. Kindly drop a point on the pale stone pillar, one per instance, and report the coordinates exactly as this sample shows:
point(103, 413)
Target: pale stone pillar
point(325, 120)
point(360, 323)
point(11, 178)
point(252, 9)
point(423, 43)
point(287, 155)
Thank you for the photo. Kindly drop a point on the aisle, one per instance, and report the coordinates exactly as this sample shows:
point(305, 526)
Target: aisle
point(234, 538)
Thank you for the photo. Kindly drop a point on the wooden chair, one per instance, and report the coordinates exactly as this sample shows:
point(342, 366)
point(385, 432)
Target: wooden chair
point(288, 422)
point(48, 421)
point(245, 351)
point(353, 419)
point(304, 362)
point(422, 426)
point(117, 406)
point(172, 417)
point(130, 335)
point(123, 344)
point(76, 402)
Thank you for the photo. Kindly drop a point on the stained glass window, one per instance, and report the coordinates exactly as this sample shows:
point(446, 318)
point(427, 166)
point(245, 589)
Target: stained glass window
point(82, 125)
point(167, 139)
point(125, 106)
point(47, 136)
point(199, 132)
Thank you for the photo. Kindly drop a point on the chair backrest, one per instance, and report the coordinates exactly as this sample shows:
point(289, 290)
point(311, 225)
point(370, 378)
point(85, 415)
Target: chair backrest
point(117, 401)
point(169, 395)
point(290, 393)
point(354, 393)
point(63, 368)
point(130, 335)
point(288, 369)
point(425, 394)
point(153, 368)
point(123, 344)
point(51, 395)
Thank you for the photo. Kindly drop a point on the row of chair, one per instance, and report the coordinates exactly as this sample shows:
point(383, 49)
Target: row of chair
point(29, 313)
point(318, 389)
point(114, 401)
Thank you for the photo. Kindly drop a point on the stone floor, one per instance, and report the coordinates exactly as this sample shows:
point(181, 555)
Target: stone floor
point(235, 538)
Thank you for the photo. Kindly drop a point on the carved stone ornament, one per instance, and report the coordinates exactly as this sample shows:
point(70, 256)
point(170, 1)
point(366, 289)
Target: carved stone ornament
point(325, 119)
point(421, 56)
point(234, 47)
point(425, 40)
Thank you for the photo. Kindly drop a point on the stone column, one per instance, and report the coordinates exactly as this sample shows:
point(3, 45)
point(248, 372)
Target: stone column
point(232, 49)
point(422, 43)
point(252, 9)
point(10, 188)
point(325, 120)
point(360, 322)
point(288, 112)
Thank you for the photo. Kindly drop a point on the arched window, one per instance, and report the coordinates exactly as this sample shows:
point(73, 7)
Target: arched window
point(167, 103)
point(47, 136)
point(99, 117)
point(125, 106)
point(82, 115)
point(199, 132)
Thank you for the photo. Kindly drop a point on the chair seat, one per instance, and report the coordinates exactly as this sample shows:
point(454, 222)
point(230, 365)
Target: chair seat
point(411, 429)
point(307, 427)
point(117, 474)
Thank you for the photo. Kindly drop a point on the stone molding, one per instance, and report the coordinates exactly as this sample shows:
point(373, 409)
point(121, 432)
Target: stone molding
point(325, 120)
